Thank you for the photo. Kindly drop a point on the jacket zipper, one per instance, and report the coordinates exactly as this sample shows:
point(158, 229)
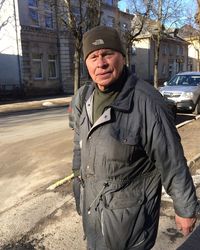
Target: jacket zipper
point(98, 197)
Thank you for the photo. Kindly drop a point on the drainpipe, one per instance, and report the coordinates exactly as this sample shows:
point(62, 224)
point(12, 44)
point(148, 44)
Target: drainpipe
point(58, 46)
point(198, 62)
point(18, 49)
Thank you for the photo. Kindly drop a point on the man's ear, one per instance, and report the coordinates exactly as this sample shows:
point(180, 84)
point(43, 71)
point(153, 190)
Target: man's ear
point(124, 60)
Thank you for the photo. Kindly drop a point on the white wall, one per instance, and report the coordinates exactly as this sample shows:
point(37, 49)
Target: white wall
point(142, 58)
point(10, 44)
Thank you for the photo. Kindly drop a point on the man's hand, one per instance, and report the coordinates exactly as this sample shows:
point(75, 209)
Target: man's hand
point(185, 225)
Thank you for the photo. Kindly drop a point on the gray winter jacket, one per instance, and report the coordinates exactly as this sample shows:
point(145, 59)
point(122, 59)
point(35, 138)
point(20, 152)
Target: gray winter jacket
point(124, 157)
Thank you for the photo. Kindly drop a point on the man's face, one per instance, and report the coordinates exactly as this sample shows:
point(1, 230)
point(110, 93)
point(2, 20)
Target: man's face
point(105, 66)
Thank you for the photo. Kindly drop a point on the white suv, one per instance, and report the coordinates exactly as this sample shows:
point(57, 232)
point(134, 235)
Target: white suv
point(184, 90)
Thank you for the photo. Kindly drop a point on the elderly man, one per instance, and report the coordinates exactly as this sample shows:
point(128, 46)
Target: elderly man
point(126, 146)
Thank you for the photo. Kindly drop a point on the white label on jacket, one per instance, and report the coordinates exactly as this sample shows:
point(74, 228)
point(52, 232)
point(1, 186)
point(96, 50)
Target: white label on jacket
point(80, 143)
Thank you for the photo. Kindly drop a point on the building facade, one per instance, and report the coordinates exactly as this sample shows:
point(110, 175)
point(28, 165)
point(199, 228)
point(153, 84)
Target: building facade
point(40, 50)
point(37, 51)
point(173, 57)
point(192, 36)
point(45, 48)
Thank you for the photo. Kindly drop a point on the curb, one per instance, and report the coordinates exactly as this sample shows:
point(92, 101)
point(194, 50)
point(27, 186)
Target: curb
point(34, 105)
point(186, 122)
point(60, 182)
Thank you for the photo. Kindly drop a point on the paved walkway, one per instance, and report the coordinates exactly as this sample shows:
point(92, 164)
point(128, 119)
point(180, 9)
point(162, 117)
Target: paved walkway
point(34, 104)
point(190, 138)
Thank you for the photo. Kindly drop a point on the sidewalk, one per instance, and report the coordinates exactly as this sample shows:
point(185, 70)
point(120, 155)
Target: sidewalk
point(34, 105)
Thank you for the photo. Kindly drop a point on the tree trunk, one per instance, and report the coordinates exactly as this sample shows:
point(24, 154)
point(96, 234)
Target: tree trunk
point(77, 56)
point(156, 60)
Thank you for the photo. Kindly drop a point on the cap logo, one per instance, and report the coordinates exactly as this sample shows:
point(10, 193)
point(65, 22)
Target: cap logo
point(98, 42)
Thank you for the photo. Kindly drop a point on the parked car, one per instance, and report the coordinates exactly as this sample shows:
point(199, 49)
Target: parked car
point(184, 90)
point(172, 106)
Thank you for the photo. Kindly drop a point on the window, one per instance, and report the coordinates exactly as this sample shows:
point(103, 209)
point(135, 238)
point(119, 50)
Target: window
point(164, 69)
point(76, 13)
point(110, 2)
point(48, 21)
point(164, 49)
point(48, 16)
point(37, 66)
point(178, 50)
point(179, 66)
point(181, 50)
point(170, 50)
point(33, 12)
point(110, 21)
point(133, 50)
point(84, 72)
point(33, 3)
point(52, 69)
point(124, 26)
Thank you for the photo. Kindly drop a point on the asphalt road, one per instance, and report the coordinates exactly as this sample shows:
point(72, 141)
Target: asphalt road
point(35, 151)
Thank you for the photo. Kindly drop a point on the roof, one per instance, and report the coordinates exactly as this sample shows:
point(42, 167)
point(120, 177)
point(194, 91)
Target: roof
point(188, 31)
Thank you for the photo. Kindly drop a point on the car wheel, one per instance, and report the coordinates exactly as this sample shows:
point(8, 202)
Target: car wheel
point(197, 108)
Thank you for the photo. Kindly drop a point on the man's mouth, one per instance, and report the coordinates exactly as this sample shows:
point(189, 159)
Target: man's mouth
point(104, 73)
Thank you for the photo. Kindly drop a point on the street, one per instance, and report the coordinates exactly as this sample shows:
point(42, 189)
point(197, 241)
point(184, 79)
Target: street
point(31, 145)
point(35, 151)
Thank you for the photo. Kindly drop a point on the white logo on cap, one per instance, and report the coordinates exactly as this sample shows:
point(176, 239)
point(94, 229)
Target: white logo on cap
point(98, 42)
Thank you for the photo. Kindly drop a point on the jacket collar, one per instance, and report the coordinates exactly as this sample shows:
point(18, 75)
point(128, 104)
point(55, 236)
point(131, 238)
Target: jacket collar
point(124, 100)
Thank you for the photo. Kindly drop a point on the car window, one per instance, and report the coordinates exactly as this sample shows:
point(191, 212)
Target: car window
point(195, 80)
point(185, 80)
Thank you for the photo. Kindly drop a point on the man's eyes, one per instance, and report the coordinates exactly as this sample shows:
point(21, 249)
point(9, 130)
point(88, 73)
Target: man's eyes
point(107, 54)
point(93, 57)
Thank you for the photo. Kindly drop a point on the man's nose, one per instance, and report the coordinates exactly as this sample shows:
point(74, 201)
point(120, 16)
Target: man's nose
point(101, 62)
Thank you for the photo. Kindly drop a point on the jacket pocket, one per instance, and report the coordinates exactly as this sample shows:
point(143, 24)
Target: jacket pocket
point(122, 222)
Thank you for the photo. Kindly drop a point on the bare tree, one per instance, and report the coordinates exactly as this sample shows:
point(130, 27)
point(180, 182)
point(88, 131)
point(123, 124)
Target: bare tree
point(197, 16)
point(165, 13)
point(4, 20)
point(77, 17)
point(196, 46)
point(141, 12)
point(190, 31)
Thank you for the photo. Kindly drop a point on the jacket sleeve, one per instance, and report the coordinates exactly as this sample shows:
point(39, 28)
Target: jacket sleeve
point(163, 145)
point(77, 109)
